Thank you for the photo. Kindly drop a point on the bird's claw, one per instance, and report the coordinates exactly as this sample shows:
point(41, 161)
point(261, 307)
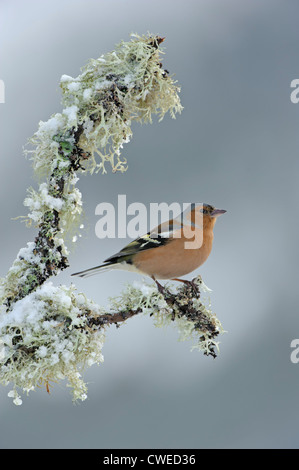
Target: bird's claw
point(193, 286)
point(161, 289)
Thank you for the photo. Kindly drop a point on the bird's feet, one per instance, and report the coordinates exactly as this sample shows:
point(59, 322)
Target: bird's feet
point(190, 284)
point(161, 289)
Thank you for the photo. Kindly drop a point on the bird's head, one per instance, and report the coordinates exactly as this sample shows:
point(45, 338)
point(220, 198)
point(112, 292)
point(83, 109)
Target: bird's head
point(202, 214)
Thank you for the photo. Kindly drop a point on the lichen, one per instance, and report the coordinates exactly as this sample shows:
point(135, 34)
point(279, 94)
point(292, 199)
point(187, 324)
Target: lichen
point(126, 85)
point(122, 86)
point(45, 338)
point(55, 333)
point(188, 310)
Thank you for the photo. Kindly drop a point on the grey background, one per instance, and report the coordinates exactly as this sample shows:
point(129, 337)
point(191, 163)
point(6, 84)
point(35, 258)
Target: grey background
point(236, 146)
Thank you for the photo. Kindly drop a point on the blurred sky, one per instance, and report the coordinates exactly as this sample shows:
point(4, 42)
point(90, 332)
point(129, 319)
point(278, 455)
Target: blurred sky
point(234, 146)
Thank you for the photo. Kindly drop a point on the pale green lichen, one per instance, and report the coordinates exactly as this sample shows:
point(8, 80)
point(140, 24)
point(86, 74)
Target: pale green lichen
point(122, 86)
point(191, 314)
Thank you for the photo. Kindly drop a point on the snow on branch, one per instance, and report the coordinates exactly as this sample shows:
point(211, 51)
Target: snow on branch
point(55, 332)
point(49, 333)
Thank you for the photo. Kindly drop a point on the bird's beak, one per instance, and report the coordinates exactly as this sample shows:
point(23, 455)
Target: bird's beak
point(217, 212)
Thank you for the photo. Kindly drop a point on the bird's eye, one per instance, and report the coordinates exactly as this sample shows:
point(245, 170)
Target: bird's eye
point(204, 211)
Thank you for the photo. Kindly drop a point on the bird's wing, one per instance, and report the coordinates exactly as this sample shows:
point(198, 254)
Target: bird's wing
point(157, 237)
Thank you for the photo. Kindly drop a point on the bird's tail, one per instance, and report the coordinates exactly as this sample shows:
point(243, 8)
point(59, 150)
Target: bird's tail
point(95, 270)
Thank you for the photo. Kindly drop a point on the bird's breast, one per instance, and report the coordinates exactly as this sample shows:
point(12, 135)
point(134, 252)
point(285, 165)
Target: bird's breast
point(173, 259)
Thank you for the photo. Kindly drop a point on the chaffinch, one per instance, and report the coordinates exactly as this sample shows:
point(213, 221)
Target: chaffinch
point(169, 251)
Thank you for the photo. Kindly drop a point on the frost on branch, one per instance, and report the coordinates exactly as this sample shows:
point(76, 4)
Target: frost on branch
point(50, 333)
point(55, 332)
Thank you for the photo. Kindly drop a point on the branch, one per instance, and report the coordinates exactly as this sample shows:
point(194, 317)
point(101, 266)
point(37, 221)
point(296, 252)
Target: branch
point(128, 84)
point(49, 333)
point(54, 332)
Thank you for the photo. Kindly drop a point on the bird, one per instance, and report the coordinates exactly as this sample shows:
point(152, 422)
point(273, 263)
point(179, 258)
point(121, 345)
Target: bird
point(170, 250)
